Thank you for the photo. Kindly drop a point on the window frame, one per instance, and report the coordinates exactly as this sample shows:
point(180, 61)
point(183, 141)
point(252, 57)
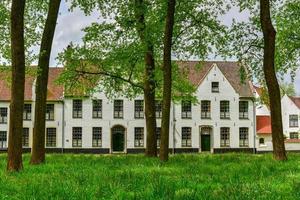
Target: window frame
point(158, 109)
point(293, 135)
point(3, 115)
point(139, 137)
point(118, 109)
point(97, 137)
point(77, 108)
point(27, 112)
point(97, 109)
point(50, 116)
point(215, 87)
point(3, 139)
point(224, 141)
point(225, 111)
point(186, 109)
point(51, 137)
point(243, 110)
point(293, 123)
point(139, 109)
point(25, 137)
point(77, 141)
point(205, 114)
point(244, 141)
point(186, 137)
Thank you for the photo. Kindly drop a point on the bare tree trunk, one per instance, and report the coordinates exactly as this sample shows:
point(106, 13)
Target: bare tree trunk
point(14, 160)
point(38, 142)
point(149, 81)
point(167, 86)
point(271, 80)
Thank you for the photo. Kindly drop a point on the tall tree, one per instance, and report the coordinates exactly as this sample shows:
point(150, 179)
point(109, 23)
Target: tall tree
point(38, 142)
point(167, 81)
point(14, 162)
point(269, 34)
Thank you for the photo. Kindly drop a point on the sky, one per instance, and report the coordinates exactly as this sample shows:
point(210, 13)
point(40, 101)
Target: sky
point(70, 25)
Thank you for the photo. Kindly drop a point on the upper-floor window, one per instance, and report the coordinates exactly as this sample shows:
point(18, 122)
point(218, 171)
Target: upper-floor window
point(186, 137)
point(294, 135)
point(25, 137)
point(293, 120)
point(27, 112)
point(225, 137)
point(118, 108)
point(138, 109)
point(77, 108)
point(214, 86)
point(3, 115)
point(97, 137)
point(3, 139)
point(261, 141)
point(244, 137)
point(224, 110)
point(97, 108)
point(50, 112)
point(243, 110)
point(139, 137)
point(205, 109)
point(51, 137)
point(186, 110)
point(158, 131)
point(77, 137)
point(158, 108)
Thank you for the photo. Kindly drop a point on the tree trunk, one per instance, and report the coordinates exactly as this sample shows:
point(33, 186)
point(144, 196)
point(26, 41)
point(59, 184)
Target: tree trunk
point(14, 159)
point(38, 142)
point(271, 80)
point(149, 81)
point(167, 86)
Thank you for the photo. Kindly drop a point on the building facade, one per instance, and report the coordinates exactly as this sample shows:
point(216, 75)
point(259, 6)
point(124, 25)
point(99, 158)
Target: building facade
point(223, 118)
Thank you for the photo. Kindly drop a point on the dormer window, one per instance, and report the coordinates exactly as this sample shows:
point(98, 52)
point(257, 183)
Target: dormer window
point(214, 86)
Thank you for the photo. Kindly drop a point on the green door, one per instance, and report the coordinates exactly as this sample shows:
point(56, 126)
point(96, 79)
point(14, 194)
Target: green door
point(118, 138)
point(205, 142)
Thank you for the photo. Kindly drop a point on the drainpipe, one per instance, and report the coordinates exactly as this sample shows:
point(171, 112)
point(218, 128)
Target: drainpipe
point(174, 127)
point(63, 127)
point(254, 126)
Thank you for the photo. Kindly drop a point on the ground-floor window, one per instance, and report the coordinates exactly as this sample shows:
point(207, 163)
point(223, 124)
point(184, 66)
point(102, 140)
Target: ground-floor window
point(97, 137)
point(294, 135)
point(225, 137)
point(158, 131)
point(244, 137)
point(77, 137)
point(186, 137)
point(261, 141)
point(51, 137)
point(25, 138)
point(139, 137)
point(3, 139)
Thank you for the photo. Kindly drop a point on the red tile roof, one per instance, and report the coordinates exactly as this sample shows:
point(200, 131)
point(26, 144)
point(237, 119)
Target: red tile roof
point(296, 101)
point(55, 92)
point(197, 71)
point(263, 125)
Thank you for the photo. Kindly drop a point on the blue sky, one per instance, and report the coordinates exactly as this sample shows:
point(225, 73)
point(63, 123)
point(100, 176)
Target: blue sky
point(70, 25)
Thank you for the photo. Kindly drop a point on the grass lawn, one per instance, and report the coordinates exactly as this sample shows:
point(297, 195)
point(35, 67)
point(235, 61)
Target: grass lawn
point(197, 176)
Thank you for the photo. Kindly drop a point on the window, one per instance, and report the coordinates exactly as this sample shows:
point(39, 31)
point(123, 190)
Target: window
point(3, 115)
point(186, 137)
point(244, 137)
point(77, 137)
point(118, 109)
point(158, 108)
point(97, 137)
point(261, 141)
point(97, 108)
point(224, 110)
point(225, 141)
point(243, 109)
point(158, 131)
point(27, 112)
point(215, 87)
point(50, 112)
point(3, 139)
point(139, 137)
point(51, 137)
point(77, 108)
point(293, 120)
point(294, 135)
point(186, 110)
point(25, 138)
point(139, 109)
point(205, 109)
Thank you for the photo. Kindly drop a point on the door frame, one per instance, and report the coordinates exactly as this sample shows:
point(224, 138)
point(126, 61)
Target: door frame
point(111, 139)
point(210, 134)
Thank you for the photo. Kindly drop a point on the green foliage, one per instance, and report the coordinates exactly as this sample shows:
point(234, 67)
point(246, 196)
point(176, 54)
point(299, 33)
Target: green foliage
point(197, 176)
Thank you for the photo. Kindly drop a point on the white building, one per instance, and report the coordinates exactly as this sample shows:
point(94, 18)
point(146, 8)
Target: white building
point(222, 120)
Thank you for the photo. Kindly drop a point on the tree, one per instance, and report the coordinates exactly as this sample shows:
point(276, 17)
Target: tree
point(167, 81)
point(269, 34)
point(14, 162)
point(38, 142)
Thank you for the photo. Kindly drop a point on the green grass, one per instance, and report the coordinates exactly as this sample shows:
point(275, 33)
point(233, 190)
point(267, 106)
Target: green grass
point(198, 176)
